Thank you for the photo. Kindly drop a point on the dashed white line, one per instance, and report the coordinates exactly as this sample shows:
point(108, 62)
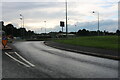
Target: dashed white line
point(16, 60)
point(24, 59)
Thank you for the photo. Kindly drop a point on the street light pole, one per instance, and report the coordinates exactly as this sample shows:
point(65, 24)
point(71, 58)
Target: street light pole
point(21, 22)
point(98, 22)
point(66, 20)
point(22, 19)
point(45, 27)
point(22, 25)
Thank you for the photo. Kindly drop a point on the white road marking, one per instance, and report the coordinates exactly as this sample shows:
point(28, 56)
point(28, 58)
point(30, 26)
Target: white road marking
point(24, 59)
point(17, 60)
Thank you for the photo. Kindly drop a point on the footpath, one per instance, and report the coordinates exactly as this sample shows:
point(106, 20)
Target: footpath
point(104, 53)
point(6, 48)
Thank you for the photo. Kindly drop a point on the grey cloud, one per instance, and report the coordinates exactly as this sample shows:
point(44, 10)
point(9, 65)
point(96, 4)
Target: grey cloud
point(11, 11)
point(30, 5)
point(108, 25)
point(15, 8)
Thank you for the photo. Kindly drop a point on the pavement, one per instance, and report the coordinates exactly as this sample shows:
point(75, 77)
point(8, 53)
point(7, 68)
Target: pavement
point(104, 53)
point(7, 47)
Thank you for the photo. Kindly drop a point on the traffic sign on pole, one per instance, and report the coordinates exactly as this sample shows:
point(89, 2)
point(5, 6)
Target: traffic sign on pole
point(62, 24)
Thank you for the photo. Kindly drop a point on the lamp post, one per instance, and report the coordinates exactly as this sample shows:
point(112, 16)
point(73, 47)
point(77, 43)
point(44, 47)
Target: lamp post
point(45, 26)
point(21, 22)
point(22, 19)
point(22, 25)
point(75, 28)
point(98, 21)
point(66, 20)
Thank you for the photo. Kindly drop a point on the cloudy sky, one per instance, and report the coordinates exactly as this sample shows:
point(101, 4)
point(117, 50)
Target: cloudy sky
point(36, 12)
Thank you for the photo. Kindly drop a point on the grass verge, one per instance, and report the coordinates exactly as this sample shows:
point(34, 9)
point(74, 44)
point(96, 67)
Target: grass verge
point(105, 42)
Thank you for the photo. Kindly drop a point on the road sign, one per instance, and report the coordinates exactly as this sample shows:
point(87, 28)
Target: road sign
point(4, 41)
point(62, 24)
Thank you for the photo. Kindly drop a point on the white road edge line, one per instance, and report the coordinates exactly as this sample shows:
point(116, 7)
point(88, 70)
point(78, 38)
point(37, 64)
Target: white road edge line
point(24, 59)
point(16, 60)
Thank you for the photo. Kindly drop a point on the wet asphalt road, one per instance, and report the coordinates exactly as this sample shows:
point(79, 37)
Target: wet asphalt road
point(54, 63)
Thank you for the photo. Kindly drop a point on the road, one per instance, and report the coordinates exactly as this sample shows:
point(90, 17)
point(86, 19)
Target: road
point(45, 61)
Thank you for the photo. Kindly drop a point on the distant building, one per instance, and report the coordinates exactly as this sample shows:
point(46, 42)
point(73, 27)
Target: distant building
point(40, 36)
point(62, 35)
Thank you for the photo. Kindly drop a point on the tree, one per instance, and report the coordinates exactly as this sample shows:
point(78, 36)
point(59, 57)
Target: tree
point(8, 29)
point(83, 32)
point(13, 31)
point(118, 32)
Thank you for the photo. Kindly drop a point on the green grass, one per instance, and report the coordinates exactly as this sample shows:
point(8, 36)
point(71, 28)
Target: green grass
point(106, 42)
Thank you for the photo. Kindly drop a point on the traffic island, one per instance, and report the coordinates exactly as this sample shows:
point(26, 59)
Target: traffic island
point(104, 53)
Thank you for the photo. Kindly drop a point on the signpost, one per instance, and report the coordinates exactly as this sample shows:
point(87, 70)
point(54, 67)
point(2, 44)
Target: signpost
point(62, 24)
